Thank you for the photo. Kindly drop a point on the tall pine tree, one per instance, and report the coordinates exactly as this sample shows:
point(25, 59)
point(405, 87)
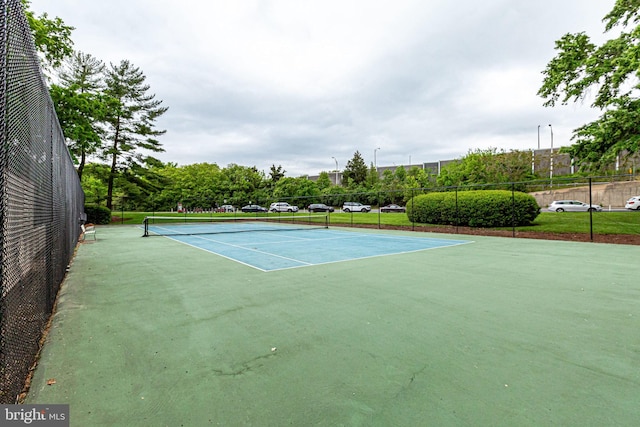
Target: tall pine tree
point(80, 105)
point(355, 172)
point(131, 121)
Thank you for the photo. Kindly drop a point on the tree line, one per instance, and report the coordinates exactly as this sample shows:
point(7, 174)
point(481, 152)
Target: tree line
point(162, 187)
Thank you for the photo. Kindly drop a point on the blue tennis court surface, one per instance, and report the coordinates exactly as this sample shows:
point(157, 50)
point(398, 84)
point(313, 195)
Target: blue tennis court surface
point(278, 250)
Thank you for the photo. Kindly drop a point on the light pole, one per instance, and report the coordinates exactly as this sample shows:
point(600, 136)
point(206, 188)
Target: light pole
point(551, 157)
point(336, 169)
point(533, 154)
point(375, 163)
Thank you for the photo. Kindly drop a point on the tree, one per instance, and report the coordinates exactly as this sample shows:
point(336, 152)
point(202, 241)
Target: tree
point(79, 115)
point(355, 172)
point(392, 186)
point(323, 181)
point(276, 173)
point(296, 191)
point(51, 36)
point(422, 178)
point(372, 177)
point(130, 122)
point(241, 184)
point(609, 71)
point(195, 186)
point(80, 105)
point(487, 166)
point(334, 195)
point(401, 173)
point(83, 71)
point(94, 183)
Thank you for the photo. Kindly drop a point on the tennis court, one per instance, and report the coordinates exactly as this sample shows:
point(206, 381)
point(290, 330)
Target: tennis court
point(280, 245)
point(501, 332)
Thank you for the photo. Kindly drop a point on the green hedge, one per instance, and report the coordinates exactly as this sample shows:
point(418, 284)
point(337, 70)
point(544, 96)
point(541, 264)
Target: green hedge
point(481, 208)
point(97, 214)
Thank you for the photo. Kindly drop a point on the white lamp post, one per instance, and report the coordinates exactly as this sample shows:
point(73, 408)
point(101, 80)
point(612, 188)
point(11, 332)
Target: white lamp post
point(551, 157)
point(336, 169)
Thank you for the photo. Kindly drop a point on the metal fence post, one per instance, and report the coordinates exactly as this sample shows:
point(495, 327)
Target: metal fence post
point(457, 211)
point(513, 209)
point(378, 194)
point(413, 212)
point(590, 210)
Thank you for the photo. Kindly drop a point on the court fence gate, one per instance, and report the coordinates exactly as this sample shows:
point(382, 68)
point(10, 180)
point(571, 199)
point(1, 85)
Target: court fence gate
point(41, 203)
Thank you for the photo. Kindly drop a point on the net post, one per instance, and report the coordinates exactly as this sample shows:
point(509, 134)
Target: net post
point(146, 226)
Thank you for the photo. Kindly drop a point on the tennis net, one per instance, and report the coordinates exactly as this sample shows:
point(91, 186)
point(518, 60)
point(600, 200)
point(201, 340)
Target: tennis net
point(175, 226)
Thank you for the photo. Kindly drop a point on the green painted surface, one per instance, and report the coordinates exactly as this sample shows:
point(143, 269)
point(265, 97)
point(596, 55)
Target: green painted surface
point(500, 332)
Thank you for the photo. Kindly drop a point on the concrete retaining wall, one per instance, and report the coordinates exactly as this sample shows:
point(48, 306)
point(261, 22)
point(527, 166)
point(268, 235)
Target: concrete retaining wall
point(607, 195)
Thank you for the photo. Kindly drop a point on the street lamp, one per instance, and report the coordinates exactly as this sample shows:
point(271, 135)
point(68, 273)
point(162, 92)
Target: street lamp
point(551, 157)
point(336, 169)
point(539, 136)
point(375, 163)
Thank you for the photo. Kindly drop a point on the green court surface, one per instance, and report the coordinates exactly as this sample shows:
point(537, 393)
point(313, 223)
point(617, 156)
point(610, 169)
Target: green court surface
point(501, 332)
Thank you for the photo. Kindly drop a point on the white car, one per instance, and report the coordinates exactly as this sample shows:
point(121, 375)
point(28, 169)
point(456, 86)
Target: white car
point(573, 206)
point(633, 203)
point(282, 207)
point(355, 207)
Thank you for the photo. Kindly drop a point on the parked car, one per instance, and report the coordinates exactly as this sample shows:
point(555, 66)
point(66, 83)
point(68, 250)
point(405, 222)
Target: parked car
point(320, 207)
point(355, 207)
point(253, 208)
point(282, 207)
point(572, 206)
point(393, 208)
point(227, 208)
point(633, 203)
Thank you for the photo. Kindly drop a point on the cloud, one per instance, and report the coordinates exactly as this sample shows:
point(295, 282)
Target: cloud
point(291, 83)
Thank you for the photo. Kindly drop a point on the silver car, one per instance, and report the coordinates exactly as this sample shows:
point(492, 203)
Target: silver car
point(282, 207)
point(572, 206)
point(355, 207)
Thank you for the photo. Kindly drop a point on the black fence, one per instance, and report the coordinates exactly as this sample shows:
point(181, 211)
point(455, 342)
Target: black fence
point(609, 193)
point(41, 203)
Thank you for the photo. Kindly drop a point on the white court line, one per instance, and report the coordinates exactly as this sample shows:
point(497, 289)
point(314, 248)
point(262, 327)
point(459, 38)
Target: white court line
point(352, 236)
point(341, 236)
point(228, 257)
point(244, 248)
point(371, 256)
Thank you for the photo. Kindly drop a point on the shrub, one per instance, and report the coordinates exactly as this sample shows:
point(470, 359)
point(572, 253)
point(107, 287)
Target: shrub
point(481, 208)
point(97, 214)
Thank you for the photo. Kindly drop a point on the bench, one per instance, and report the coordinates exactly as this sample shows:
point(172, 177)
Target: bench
point(88, 230)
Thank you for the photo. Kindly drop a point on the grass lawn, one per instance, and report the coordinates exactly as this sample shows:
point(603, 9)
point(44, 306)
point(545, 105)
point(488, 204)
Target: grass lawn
point(578, 222)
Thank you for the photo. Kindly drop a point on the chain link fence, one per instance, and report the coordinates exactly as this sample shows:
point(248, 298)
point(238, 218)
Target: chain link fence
point(41, 203)
point(610, 193)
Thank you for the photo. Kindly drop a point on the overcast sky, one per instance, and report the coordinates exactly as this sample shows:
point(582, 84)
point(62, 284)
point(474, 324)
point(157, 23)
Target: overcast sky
point(296, 83)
